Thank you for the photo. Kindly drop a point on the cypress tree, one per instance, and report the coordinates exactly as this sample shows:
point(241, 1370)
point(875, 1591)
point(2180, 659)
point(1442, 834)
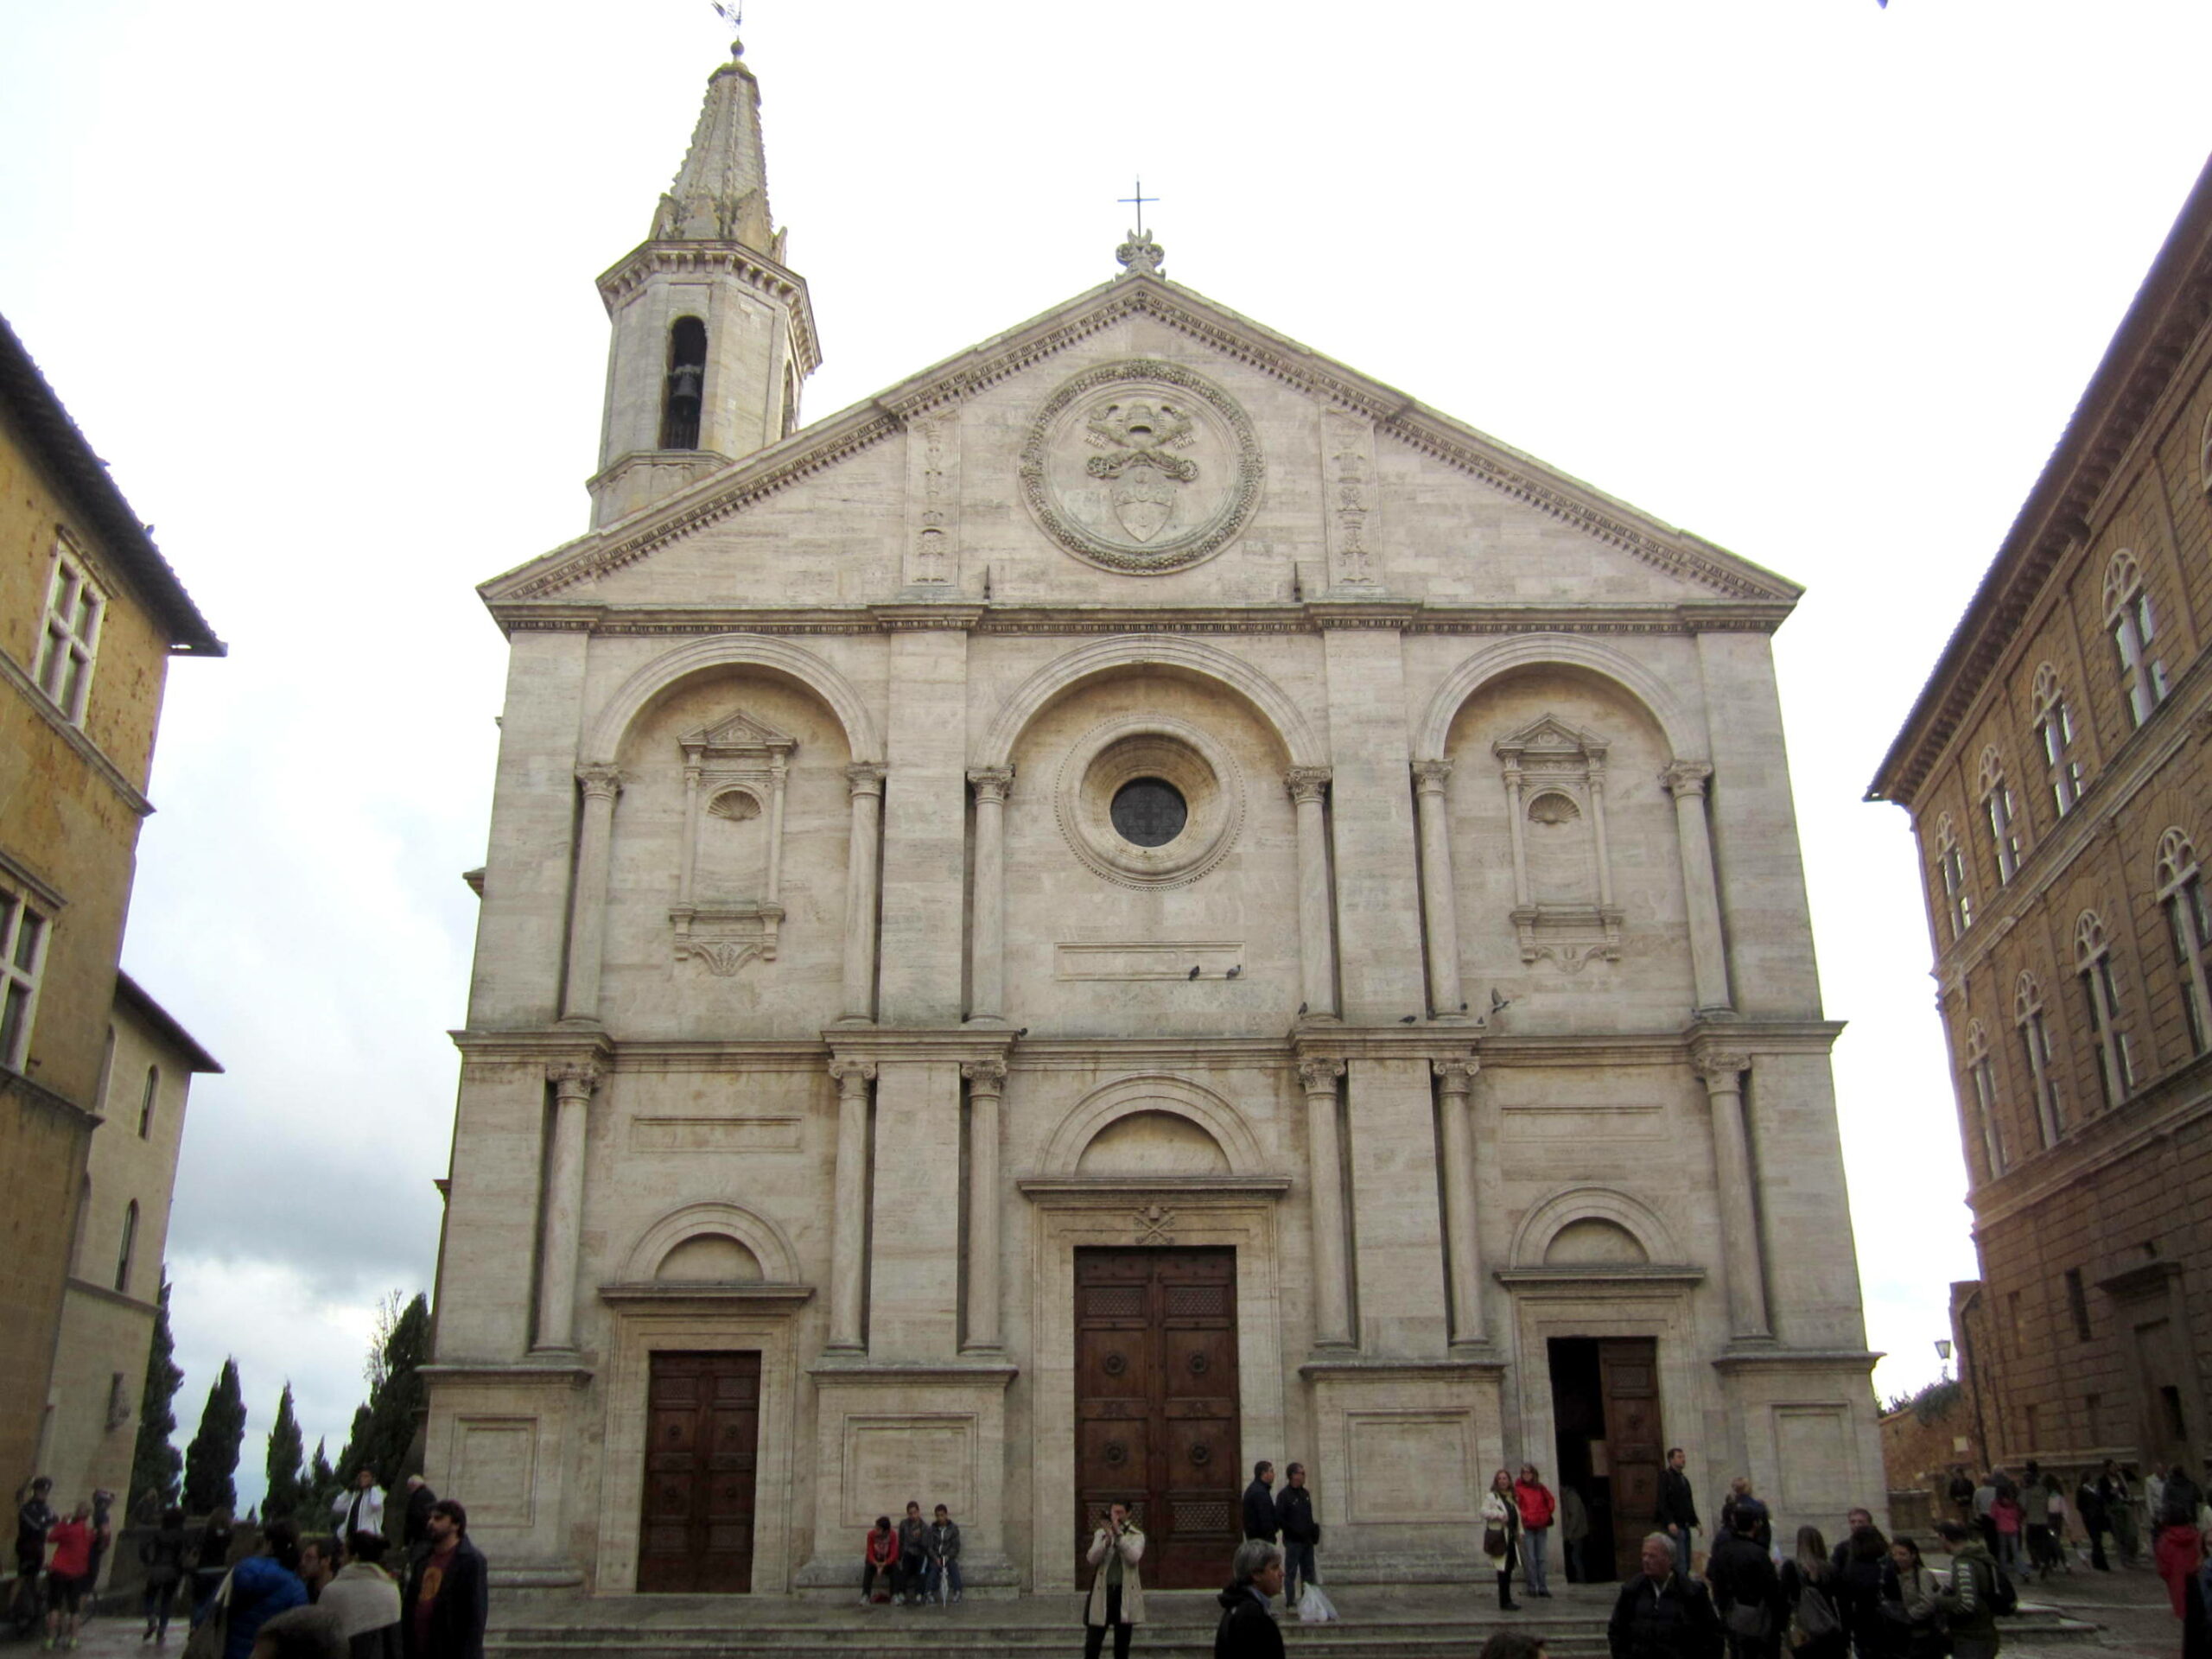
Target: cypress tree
point(155, 1462)
point(210, 1462)
point(384, 1427)
point(286, 1447)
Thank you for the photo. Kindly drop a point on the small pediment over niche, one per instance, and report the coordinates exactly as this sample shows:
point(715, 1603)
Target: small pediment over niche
point(1549, 739)
point(737, 737)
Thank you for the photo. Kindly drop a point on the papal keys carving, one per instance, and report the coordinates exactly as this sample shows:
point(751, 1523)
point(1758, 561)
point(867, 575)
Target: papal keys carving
point(1141, 466)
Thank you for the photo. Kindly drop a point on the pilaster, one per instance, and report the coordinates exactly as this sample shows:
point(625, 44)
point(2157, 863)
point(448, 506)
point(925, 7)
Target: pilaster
point(925, 829)
point(1378, 905)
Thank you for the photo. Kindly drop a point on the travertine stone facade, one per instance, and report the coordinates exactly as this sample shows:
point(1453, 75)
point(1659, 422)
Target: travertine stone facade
point(2057, 773)
point(832, 995)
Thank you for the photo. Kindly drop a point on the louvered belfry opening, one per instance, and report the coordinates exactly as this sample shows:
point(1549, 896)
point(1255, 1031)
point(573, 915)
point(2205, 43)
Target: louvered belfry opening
point(687, 378)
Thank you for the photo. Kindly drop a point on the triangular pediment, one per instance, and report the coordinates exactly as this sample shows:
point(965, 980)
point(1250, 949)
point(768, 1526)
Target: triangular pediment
point(1693, 568)
point(1549, 739)
point(736, 735)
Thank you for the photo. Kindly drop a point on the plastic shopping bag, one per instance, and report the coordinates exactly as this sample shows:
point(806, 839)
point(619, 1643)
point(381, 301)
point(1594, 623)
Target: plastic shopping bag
point(1315, 1607)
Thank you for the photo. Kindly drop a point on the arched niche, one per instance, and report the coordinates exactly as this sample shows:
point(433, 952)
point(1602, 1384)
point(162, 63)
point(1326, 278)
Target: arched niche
point(645, 687)
point(686, 1237)
point(1152, 1142)
point(1063, 674)
point(1095, 1116)
point(1683, 735)
point(1584, 1221)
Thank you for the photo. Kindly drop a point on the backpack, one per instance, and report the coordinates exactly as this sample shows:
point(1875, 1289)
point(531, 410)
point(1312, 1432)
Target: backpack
point(1816, 1615)
point(2004, 1594)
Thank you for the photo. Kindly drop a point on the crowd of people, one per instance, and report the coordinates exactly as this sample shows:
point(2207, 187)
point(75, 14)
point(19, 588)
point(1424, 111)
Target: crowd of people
point(416, 1589)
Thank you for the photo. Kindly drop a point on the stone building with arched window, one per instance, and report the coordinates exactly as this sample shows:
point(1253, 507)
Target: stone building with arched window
point(1137, 902)
point(2072, 936)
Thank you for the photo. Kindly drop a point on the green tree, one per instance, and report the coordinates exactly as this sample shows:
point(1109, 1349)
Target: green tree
point(155, 1462)
point(384, 1427)
point(322, 1482)
point(210, 1462)
point(286, 1449)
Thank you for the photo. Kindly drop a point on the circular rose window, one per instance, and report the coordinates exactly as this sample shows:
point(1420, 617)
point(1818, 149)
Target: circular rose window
point(1148, 813)
point(1149, 802)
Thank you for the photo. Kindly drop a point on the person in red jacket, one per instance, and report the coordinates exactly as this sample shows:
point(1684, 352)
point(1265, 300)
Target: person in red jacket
point(1537, 1506)
point(879, 1563)
point(68, 1576)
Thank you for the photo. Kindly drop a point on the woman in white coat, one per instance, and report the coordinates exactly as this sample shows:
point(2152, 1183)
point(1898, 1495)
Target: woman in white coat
point(1501, 1526)
point(1116, 1596)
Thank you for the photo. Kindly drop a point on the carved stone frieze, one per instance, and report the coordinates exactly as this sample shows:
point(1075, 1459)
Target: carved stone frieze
point(1348, 463)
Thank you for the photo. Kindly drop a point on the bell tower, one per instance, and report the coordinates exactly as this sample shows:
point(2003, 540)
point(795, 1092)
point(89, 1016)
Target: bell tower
point(714, 336)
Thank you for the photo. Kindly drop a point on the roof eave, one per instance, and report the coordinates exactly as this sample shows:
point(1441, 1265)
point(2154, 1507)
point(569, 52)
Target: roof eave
point(2180, 278)
point(50, 431)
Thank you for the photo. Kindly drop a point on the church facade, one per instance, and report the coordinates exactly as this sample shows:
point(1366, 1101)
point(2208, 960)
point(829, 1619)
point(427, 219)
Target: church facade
point(1137, 902)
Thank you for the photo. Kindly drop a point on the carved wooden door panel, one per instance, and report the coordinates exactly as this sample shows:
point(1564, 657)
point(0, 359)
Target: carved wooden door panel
point(703, 1436)
point(1156, 1407)
point(1628, 1368)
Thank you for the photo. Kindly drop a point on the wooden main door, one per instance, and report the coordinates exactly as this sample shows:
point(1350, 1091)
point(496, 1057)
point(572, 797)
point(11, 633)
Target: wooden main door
point(702, 1440)
point(1628, 1377)
point(1156, 1417)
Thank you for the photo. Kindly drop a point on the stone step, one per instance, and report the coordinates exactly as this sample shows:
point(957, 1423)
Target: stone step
point(974, 1632)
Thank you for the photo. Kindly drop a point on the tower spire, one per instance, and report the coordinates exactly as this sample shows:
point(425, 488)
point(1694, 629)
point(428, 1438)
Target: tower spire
point(713, 334)
point(720, 192)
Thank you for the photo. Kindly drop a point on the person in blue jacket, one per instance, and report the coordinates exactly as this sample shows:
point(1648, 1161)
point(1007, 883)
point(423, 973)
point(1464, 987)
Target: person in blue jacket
point(262, 1587)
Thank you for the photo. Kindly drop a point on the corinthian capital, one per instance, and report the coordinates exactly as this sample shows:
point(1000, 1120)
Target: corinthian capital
point(1685, 779)
point(864, 778)
point(1305, 783)
point(984, 1076)
point(1319, 1076)
point(1721, 1068)
point(1458, 1075)
point(992, 783)
point(572, 1080)
point(600, 783)
point(1429, 776)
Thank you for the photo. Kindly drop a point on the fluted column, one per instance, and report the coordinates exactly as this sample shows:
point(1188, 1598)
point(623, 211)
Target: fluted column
point(866, 783)
point(588, 899)
point(1439, 897)
point(1685, 781)
point(986, 1084)
point(1324, 1161)
point(1731, 1163)
point(561, 1229)
point(847, 1257)
point(1316, 931)
point(987, 964)
point(1462, 1250)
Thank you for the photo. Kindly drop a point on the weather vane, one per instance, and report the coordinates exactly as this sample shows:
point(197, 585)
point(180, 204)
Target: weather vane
point(734, 17)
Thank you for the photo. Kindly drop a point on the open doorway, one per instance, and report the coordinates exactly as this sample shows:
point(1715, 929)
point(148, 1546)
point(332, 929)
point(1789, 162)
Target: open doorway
point(1605, 1407)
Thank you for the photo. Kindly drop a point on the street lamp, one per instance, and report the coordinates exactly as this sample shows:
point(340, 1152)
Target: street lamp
point(1943, 1353)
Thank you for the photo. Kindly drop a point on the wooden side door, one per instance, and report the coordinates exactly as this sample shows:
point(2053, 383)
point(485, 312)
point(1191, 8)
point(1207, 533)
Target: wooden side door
point(1628, 1372)
point(701, 1449)
point(1156, 1407)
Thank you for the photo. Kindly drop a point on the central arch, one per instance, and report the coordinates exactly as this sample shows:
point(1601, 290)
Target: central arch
point(1150, 650)
point(1177, 1097)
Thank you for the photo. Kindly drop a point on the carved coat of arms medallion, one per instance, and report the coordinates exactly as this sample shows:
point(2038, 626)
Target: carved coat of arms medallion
point(1141, 466)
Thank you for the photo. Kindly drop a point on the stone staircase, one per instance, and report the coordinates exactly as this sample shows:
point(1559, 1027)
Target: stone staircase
point(1378, 1623)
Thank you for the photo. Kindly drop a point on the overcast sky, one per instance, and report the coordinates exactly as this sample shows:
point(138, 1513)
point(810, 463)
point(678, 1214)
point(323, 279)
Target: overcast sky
point(1818, 280)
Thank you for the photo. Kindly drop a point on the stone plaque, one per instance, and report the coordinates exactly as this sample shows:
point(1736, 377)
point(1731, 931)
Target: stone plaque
point(1141, 466)
point(1408, 1465)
